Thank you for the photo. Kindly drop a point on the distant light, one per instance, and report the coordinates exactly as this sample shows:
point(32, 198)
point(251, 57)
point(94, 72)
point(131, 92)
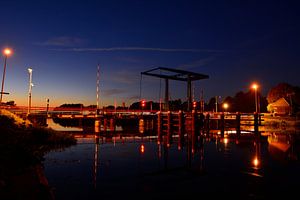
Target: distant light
point(142, 149)
point(254, 86)
point(7, 51)
point(225, 140)
point(30, 70)
point(255, 162)
point(225, 105)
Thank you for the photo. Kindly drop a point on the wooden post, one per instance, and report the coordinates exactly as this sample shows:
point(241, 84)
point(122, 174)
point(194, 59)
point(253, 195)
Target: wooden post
point(159, 126)
point(193, 129)
point(97, 125)
point(238, 123)
point(180, 124)
point(207, 123)
point(222, 124)
point(180, 129)
point(105, 124)
point(201, 123)
point(169, 126)
point(256, 123)
point(112, 124)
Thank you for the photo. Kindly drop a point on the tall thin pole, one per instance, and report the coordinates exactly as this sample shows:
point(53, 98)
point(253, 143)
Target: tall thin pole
point(216, 103)
point(29, 90)
point(2, 87)
point(98, 86)
point(256, 104)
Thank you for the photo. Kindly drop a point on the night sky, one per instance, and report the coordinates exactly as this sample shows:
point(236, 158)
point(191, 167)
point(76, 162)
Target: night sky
point(234, 42)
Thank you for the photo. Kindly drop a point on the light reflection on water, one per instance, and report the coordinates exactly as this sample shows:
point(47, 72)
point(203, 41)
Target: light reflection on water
point(128, 167)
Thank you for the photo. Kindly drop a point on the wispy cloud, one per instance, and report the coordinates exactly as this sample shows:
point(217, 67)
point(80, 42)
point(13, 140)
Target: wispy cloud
point(197, 63)
point(134, 97)
point(63, 41)
point(110, 92)
point(141, 49)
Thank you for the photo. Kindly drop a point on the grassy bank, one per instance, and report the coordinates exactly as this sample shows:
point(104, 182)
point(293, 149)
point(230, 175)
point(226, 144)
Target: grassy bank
point(22, 147)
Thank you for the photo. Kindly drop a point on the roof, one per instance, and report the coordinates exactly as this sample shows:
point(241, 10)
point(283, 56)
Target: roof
point(174, 74)
point(280, 102)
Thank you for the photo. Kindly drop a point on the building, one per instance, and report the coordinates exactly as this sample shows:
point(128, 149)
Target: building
point(280, 107)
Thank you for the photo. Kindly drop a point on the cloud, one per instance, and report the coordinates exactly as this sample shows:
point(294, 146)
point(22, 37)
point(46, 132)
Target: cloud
point(63, 41)
point(197, 63)
point(111, 92)
point(141, 49)
point(135, 97)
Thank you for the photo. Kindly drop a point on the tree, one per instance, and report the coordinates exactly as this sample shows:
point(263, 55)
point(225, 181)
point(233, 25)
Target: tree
point(279, 91)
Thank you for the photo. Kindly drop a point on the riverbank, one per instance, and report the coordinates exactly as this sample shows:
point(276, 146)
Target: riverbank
point(22, 148)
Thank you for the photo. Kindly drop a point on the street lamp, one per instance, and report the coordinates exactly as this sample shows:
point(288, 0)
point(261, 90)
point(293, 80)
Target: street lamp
point(225, 106)
point(6, 53)
point(255, 87)
point(29, 90)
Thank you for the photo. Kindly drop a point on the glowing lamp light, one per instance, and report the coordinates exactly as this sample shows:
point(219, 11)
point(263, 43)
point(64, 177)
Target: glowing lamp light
point(142, 149)
point(195, 104)
point(225, 106)
point(255, 162)
point(7, 51)
point(254, 86)
point(225, 140)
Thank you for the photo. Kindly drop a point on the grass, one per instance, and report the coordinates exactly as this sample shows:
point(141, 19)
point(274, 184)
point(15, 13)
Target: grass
point(22, 148)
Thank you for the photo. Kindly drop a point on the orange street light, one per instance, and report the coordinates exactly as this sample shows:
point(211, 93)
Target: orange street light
point(225, 106)
point(6, 53)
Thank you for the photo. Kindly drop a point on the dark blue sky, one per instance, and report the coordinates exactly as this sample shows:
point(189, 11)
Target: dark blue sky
point(234, 42)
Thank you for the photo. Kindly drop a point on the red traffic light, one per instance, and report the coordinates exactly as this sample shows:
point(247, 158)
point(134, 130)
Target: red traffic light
point(195, 104)
point(143, 103)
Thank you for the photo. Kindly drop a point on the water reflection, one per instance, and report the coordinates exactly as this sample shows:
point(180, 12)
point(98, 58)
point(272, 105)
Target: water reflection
point(233, 166)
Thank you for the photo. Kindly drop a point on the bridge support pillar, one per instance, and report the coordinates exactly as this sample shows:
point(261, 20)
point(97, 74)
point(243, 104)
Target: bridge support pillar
point(159, 126)
point(238, 124)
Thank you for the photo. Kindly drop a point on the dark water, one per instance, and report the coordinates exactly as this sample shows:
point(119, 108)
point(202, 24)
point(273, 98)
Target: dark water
point(135, 167)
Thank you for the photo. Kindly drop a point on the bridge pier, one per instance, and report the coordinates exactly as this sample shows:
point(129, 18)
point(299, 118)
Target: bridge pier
point(238, 124)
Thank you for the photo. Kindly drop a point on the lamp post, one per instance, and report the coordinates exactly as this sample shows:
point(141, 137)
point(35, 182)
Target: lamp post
point(29, 90)
point(6, 53)
point(255, 87)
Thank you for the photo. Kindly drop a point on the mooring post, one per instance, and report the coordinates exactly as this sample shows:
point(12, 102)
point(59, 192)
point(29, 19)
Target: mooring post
point(180, 125)
point(256, 123)
point(112, 124)
point(159, 125)
point(238, 124)
point(201, 123)
point(97, 125)
point(222, 124)
point(169, 126)
point(105, 124)
point(195, 130)
point(207, 123)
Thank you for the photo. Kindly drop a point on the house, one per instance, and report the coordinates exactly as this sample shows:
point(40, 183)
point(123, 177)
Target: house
point(280, 107)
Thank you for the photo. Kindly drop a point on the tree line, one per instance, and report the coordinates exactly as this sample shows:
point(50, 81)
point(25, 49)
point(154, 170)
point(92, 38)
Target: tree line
point(240, 102)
